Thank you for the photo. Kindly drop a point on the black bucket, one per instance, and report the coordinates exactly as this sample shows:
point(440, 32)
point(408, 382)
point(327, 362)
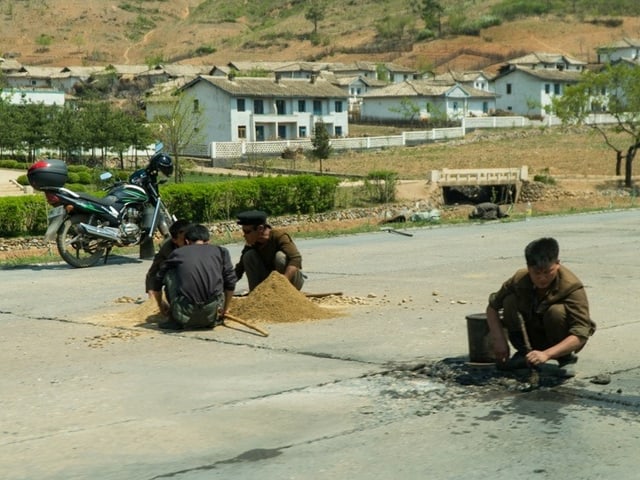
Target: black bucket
point(480, 346)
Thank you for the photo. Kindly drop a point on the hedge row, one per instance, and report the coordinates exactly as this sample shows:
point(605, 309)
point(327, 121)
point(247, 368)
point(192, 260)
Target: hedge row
point(201, 202)
point(275, 195)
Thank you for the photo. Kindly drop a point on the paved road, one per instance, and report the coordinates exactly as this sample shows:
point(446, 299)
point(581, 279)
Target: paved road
point(322, 399)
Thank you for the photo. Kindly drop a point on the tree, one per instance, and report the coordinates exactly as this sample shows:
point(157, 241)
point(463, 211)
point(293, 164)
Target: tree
point(66, 130)
point(431, 13)
point(614, 90)
point(179, 127)
point(321, 143)
point(315, 13)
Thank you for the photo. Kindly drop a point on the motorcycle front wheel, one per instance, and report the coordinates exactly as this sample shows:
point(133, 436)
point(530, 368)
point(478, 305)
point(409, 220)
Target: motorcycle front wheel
point(76, 249)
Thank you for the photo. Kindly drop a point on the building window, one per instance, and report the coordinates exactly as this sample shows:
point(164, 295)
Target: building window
point(280, 107)
point(338, 131)
point(556, 88)
point(282, 131)
point(338, 106)
point(302, 106)
point(455, 106)
point(240, 104)
point(302, 132)
point(317, 107)
point(196, 105)
point(258, 107)
point(547, 88)
point(508, 89)
point(242, 132)
point(485, 107)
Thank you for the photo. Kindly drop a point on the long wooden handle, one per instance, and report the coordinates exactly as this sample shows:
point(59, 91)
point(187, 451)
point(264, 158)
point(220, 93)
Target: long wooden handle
point(228, 316)
point(320, 295)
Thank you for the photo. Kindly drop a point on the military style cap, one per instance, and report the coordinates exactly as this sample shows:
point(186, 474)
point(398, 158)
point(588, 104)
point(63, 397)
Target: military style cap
point(252, 217)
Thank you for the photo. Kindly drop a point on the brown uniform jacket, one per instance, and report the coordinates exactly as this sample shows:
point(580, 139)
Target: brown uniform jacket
point(566, 289)
point(279, 240)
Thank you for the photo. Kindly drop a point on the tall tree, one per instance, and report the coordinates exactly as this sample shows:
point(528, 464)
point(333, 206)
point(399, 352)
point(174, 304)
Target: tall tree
point(315, 13)
point(614, 90)
point(321, 143)
point(432, 11)
point(179, 127)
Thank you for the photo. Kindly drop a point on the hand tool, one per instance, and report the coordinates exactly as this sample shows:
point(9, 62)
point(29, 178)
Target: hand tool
point(228, 316)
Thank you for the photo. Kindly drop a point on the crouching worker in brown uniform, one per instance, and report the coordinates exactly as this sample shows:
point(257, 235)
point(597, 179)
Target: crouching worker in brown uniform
point(544, 310)
point(199, 282)
point(267, 249)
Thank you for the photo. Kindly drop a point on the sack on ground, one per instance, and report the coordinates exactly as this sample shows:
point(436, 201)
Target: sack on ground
point(487, 211)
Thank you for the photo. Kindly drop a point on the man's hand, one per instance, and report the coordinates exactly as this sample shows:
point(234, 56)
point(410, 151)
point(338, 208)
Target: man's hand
point(164, 307)
point(536, 357)
point(501, 350)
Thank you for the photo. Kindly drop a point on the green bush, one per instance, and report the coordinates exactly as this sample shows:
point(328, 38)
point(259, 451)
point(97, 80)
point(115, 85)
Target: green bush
point(24, 215)
point(275, 195)
point(381, 185)
point(85, 178)
point(512, 9)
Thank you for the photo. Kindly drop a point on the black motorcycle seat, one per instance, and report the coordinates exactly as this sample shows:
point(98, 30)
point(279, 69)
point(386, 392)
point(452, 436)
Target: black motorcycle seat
point(106, 201)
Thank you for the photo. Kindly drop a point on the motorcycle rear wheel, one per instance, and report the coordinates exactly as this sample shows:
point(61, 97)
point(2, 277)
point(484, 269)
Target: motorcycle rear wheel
point(77, 249)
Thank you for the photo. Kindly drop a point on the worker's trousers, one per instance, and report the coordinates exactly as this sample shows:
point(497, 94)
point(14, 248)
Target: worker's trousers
point(257, 272)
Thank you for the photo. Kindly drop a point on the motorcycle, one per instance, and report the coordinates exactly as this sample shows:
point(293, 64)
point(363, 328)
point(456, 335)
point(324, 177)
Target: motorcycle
point(86, 227)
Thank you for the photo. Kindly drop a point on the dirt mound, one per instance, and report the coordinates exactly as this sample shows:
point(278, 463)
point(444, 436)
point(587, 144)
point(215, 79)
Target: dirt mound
point(275, 300)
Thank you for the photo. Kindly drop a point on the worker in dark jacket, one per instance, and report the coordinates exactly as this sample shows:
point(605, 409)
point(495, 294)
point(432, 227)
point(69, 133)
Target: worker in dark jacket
point(267, 249)
point(177, 231)
point(199, 282)
point(544, 310)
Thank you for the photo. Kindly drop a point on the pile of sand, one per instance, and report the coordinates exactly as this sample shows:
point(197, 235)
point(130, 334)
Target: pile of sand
point(275, 300)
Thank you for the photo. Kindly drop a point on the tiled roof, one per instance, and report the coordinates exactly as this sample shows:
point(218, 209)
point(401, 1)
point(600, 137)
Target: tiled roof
point(546, 74)
point(412, 88)
point(537, 58)
point(269, 88)
point(620, 44)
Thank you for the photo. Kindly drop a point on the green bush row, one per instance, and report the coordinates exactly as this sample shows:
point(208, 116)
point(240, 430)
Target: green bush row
point(205, 203)
point(275, 195)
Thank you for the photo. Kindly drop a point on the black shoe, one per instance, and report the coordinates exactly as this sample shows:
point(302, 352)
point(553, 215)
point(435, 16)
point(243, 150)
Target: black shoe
point(517, 362)
point(567, 366)
point(170, 325)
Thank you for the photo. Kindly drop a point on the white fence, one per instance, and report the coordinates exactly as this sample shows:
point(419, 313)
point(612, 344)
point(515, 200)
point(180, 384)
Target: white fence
point(231, 150)
point(480, 176)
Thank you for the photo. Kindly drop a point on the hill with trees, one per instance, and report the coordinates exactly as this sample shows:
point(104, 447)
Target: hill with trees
point(423, 34)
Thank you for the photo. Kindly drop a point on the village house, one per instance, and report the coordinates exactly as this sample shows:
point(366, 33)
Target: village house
point(259, 108)
point(625, 49)
point(527, 85)
point(27, 96)
point(472, 78)
point(426, 99)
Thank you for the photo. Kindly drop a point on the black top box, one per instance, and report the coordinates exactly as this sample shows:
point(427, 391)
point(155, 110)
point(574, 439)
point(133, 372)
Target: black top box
point(47, 173)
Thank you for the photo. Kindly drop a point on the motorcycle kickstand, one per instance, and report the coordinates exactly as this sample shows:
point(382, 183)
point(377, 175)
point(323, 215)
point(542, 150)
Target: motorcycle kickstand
point(106, 254)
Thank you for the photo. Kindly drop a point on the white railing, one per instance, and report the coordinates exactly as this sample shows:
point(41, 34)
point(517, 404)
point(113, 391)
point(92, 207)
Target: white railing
point(224, 150)
point(479, 176)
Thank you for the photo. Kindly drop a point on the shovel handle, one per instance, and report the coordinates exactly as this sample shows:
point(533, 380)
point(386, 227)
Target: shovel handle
point(228, 316)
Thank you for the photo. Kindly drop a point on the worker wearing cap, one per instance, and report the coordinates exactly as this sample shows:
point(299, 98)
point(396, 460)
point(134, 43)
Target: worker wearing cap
point(267, 249)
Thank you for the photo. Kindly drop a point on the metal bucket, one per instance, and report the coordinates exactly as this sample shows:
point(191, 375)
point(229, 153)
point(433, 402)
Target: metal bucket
point(480, 346)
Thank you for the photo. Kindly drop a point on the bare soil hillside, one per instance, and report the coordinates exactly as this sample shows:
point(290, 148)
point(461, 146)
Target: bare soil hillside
point(85, 32)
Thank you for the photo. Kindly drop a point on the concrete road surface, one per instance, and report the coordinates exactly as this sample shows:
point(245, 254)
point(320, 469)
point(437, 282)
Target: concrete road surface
point(341, 398)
